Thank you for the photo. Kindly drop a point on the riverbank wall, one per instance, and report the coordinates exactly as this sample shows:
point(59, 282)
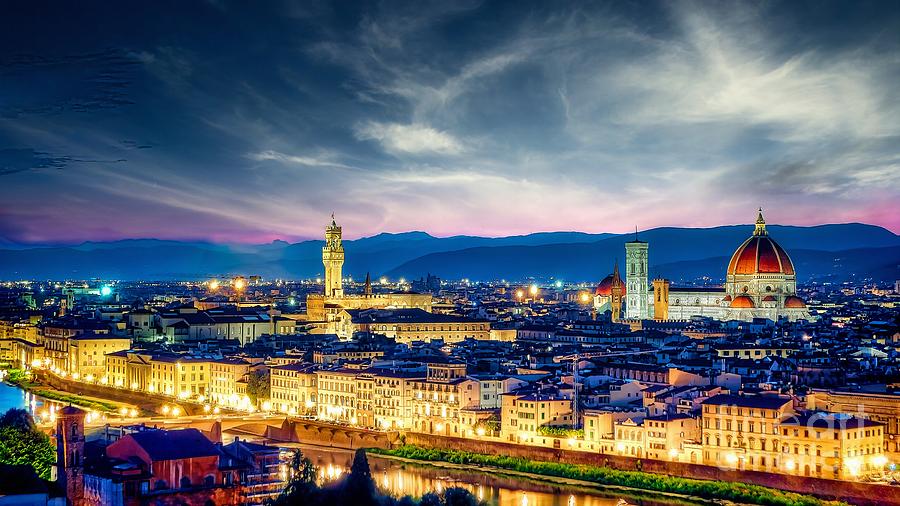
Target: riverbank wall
point(148, 402)
point(863, 494)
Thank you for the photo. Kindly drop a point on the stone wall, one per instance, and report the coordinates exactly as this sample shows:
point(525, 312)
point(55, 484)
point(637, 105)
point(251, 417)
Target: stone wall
point(867, 494)
point(336, 436)
point(145, 401)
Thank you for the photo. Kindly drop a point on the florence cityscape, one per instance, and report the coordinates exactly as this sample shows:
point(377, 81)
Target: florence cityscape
point(450, 253)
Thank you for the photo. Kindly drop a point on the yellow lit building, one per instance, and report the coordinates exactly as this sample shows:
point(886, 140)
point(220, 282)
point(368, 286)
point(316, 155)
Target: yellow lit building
point(325, 307)
point(226, 380)
point(409, 325)
point(882, 408)
point(87, 353)
point(56, 334)
point(666, 435)
point(392, 399)
point(741, 432)
point(117, 369)
point(435, 400)
point(293, 388)
point(523, 414)
point(337, 395)
point(828, 445)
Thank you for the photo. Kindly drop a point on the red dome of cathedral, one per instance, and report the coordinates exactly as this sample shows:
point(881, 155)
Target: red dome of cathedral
point(759, 254)
point(794, 302)
point(743, 302)
point(605, 287)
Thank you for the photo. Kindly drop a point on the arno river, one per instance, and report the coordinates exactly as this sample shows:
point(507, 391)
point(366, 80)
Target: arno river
point(398, 478)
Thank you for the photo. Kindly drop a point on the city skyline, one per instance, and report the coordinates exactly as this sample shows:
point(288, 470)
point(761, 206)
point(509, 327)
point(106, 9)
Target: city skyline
point(217, 123)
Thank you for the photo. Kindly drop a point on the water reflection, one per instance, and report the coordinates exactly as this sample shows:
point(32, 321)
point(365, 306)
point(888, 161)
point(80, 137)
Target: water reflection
point(398, 479)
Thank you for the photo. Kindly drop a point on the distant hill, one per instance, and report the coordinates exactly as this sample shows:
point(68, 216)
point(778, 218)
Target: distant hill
point(676, 253)
point(671, 249)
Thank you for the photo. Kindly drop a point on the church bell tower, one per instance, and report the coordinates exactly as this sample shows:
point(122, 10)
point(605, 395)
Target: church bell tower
point(616, 291)
point(70, 453)
point(333, 259)
point(637, 301)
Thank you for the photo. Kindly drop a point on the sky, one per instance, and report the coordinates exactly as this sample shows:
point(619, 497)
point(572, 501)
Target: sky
point(247, 122)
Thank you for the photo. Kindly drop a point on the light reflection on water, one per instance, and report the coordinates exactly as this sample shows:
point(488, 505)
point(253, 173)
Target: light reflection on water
point(399, 478)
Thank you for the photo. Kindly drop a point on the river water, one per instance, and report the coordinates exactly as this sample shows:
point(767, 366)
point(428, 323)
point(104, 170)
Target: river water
point(400, 478)
point(14, 397)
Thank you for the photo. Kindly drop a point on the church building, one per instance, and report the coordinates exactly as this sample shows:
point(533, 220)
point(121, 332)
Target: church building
point(760, 282)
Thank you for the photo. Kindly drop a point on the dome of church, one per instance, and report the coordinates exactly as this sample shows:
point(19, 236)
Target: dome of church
point(604, 288)
point(759, 254)
point(768, 298)
point(742, 302)
point(794, 302)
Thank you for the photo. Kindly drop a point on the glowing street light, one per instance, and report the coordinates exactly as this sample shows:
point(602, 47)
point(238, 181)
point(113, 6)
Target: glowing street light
point(105, 290)
point(533, 290)
point(239, 283)
point(213, 284)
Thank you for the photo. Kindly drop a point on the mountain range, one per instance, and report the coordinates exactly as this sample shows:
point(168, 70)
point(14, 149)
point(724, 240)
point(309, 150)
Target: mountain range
point(837, 252)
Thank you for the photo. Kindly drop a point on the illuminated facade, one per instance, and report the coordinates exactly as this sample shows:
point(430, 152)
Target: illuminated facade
point(227, 380)
point(87, 353)
point(294, 389)
point(336, 395)
point(636, 268)
point(760, 282)
point(324, 308)
point(742, 432)
point(435, 400)
point(523, 415)
point(409, 325)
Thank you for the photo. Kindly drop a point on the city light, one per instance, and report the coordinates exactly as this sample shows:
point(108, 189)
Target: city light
point(105, 291)
point(238, 283)
point(213, 284)
point(533, 290)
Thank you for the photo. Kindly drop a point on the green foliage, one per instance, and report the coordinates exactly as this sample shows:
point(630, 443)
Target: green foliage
point(491, 425)
point(258, 385)
point(24, 445)
point(561, 431)
point(732, 491)
point(78, 401)
point(17, 418)
point(19, 377)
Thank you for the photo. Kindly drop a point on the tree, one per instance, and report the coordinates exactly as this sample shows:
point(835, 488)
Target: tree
point(359, 487)
point(301, 483)
point(258, 386)
point(22, 444)
point(17, 418)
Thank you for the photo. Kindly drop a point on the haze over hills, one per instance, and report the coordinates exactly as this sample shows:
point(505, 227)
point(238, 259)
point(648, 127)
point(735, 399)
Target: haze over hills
point(838, 251)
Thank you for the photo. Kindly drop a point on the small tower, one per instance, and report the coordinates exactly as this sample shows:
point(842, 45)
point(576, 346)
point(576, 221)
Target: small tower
point(367, 289)
point(333, 259)
point(616, 291)
point(70, 453)
point(661, 299)
point(636, 266)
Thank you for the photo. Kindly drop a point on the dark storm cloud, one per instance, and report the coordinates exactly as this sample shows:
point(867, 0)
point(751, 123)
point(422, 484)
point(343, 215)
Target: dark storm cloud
point(47, 84)
point(250, 122)
point(13, 161)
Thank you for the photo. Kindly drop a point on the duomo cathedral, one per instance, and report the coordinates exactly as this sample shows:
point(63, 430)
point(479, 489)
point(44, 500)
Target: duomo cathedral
point(760, 282)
